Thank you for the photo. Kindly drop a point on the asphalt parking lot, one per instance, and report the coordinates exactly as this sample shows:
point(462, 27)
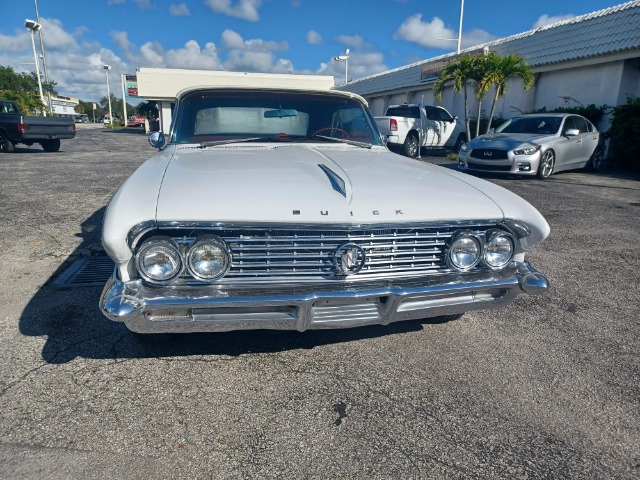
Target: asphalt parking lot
point(548, 387)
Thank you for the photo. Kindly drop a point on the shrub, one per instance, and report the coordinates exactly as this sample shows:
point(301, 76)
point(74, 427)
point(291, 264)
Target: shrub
point(591, 112)
point(624, 134)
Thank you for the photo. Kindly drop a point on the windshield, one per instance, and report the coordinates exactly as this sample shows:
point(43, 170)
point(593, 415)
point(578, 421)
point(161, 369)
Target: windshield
point(536, 125)
point(225, 115)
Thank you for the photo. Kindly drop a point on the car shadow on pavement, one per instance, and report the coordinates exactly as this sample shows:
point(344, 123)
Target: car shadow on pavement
point(71, 324)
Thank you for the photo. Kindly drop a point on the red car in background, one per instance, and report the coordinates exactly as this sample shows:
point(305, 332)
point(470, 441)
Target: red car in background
point(136, 121)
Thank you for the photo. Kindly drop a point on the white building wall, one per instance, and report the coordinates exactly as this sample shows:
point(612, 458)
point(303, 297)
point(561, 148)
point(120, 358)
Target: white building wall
point(598, 84)
point(630, 81)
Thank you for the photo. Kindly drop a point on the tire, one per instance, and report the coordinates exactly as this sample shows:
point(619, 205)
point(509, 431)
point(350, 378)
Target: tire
point(596, 162)
point(51, 145)
point(547, 163)
point(410, 148)
point(6, 145)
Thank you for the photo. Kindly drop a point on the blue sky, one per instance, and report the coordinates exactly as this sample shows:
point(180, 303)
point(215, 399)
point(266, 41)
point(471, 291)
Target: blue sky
point(278, 36)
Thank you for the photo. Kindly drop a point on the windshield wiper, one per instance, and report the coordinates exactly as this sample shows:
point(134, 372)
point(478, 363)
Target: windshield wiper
point(344, 140)
point(235, 140)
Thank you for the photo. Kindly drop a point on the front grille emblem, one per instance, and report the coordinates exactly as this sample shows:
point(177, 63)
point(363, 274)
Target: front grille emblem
point(349, 259)
point(488, 154)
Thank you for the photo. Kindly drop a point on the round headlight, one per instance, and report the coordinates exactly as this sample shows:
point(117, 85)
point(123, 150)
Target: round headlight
point(465, 252)
point(159, 260)
point(498, 250)
point(208, 258)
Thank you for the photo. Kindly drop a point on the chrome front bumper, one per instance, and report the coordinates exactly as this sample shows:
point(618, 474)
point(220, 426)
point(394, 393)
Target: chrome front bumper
point(183, 309)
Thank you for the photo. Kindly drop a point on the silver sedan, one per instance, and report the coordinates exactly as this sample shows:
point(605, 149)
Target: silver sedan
point(535, 144)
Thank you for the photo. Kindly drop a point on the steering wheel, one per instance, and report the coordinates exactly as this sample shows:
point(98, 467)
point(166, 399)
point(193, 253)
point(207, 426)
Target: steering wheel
point(343, 133)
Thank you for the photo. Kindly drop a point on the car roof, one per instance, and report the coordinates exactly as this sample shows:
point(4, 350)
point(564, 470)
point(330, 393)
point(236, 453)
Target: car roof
point(550, 114)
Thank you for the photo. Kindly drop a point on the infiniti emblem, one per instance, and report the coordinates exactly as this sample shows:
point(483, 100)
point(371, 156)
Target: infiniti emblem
point(488, 154)
point(349, 259)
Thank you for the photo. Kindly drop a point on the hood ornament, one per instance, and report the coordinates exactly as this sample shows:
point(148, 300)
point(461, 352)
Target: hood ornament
point(349, 259)
point(337, 182)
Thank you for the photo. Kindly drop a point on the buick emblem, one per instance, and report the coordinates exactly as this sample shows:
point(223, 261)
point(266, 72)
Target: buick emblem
point(349, 259)
point(488, 154)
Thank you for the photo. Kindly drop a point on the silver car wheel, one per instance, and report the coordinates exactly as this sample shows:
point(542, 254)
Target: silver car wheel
point(547, 162)
point(597, 159)
point(411, 146)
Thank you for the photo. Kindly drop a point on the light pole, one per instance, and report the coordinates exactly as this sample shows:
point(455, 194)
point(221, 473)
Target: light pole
point(344, 58)
point(460, 28)
point(106, 70)
point(33, 27)
point(44, 58)
point(459, 39)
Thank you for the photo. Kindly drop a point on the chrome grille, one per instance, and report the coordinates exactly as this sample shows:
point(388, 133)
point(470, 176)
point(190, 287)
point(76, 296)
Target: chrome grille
point(311, 253)
point(307, 254)
point(489, 154)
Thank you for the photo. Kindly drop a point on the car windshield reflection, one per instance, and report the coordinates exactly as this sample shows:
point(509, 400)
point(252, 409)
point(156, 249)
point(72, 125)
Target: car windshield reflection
point(219, 117)
point(531, 125)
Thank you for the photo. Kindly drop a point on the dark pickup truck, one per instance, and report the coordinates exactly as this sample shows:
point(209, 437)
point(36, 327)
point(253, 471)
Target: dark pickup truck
point(18, 128)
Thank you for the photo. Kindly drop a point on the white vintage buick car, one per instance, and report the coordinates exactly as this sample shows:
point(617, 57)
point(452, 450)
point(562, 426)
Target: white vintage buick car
point(281, 208)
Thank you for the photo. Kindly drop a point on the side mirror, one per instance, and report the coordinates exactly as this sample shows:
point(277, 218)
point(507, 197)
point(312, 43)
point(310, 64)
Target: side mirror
point(157, 140)
point(572, 132)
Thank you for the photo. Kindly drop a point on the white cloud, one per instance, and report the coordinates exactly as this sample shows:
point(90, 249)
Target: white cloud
point(475, 36)
point(244, 9)
point(352, 41)
point(234, 41)
point(192, 57)
point(254, 55)
point(435, 34)
point(143, 4)
point(56, 38)
point(425, 34)
point(17, 43)
point(545, 20)
point(314, 38)
point(361, 64)
point(179, 10)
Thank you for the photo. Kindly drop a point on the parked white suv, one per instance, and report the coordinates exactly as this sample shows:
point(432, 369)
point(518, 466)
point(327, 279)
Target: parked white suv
point(411, 126)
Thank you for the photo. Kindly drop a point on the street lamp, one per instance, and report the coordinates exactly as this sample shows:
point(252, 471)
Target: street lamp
point(33, 27)
point(459, 39)
point(344, 58)
point(106, 70)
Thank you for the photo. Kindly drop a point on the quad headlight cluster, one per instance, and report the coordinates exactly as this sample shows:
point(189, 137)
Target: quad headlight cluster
point(494, 248)
point(160, 259)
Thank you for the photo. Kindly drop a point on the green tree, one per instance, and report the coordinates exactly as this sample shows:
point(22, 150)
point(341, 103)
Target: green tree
point(481, 87)
point(116, 107)
point(457, 73)
point(23, 89)
point(625, 131)
point(147, 109)
point(496, 71)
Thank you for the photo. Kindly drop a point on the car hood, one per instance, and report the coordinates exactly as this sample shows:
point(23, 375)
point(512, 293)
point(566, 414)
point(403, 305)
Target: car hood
point(508, 141)
point(313, 184)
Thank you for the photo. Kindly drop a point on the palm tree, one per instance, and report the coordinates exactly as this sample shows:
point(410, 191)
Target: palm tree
point(457, 73)
point(498, 70)
point(481, 87)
